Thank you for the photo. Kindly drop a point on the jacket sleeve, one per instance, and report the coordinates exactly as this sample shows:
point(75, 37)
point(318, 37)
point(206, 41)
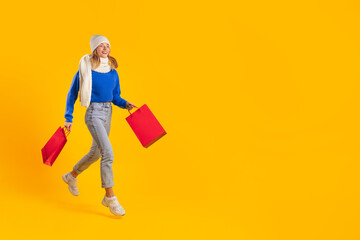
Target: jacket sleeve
point(71, 97)
point(117, 100)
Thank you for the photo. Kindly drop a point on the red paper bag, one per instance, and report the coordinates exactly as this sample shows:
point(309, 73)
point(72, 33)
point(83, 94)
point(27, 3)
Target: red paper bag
point(53, 147)
point(145, 126)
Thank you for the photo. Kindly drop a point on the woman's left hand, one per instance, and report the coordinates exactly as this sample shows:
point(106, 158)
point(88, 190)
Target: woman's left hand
point(129, 105)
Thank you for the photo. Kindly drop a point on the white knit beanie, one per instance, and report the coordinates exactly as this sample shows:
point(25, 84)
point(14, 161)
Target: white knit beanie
point(96, 40)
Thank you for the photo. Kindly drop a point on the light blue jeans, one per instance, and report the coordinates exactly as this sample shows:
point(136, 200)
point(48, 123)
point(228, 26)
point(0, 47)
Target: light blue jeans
point(98, 120)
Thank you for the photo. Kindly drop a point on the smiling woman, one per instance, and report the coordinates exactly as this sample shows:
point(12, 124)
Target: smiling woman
point(103, 50)
point(98, 83)
point(100, 53)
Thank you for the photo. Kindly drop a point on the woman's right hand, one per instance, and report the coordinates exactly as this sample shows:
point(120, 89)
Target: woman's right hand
point(68, 126)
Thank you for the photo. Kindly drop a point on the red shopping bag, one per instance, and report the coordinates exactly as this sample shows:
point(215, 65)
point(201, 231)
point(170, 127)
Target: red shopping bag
point(53, 147)
point(145, 126)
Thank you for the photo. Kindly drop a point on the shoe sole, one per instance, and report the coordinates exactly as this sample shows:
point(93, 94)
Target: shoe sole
point(116, 214)
point(63, 177)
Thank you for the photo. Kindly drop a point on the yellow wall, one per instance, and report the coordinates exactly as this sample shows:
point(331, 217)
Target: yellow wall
point(259, 100)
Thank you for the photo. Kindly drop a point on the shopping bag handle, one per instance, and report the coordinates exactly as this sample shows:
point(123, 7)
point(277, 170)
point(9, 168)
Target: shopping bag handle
point(66, 131)
point(129, 110)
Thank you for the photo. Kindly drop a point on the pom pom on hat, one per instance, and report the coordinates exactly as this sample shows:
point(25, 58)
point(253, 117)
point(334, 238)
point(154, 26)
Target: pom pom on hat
point(96, 40)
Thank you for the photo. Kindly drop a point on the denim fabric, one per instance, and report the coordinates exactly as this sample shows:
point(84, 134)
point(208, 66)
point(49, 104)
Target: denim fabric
point(98, 120)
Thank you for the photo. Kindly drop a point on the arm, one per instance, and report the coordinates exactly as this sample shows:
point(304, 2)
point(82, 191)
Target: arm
point(117, 100)
point(71, 98)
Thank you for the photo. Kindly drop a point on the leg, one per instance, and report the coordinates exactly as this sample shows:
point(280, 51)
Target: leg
point(92, 156)
point(106, 166)
point(109, 192)
point(74, 173)
point(97, 124)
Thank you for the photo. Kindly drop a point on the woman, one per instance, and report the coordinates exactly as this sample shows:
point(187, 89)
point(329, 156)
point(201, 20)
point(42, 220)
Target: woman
point(98, 84)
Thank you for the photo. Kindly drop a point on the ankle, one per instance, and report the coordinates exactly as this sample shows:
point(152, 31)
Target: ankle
point(109, 192)
point(74, 175)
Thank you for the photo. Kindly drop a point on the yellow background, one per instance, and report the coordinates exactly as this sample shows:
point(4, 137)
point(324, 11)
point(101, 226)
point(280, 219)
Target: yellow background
point(259, 100)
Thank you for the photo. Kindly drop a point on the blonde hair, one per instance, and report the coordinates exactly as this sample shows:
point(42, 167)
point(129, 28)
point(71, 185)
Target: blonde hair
point(95, 61)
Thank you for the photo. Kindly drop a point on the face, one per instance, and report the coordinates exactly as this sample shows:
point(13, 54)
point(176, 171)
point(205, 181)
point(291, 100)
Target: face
point(103, 50)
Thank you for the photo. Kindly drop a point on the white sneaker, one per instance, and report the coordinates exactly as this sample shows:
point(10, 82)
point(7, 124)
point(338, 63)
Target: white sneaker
point(114, 205)
point(72, 182)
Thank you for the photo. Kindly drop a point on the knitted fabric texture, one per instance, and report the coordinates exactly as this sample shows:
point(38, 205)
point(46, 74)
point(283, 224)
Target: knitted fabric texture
point(86, 76)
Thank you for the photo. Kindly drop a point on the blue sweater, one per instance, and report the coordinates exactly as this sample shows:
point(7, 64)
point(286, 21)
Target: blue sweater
point(105, 88)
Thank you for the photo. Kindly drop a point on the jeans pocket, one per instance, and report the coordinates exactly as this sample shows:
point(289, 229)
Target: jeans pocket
point(97, 107)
